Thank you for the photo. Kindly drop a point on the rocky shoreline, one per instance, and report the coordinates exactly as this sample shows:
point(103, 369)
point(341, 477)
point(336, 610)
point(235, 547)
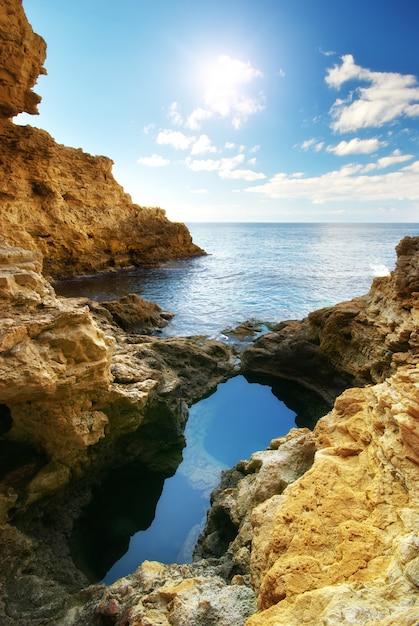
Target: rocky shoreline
point(320, 528)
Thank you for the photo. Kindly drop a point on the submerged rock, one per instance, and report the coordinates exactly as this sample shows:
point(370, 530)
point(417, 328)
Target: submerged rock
point(134, 314)
point(322, 526)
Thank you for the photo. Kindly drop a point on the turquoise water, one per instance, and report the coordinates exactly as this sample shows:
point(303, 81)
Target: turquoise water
point(268, 272)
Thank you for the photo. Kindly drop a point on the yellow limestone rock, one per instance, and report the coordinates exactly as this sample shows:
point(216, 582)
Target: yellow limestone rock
point(22, 54)
point(342, 545)
point(69, 377)
point(58, 200)
point(54, 363)
point(176, 595)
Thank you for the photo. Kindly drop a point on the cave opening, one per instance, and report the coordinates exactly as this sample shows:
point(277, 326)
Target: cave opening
point(6, 420)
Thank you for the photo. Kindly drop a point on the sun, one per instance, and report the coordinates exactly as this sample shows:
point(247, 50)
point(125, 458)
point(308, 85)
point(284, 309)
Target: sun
point(226, 73)
point(224, 82)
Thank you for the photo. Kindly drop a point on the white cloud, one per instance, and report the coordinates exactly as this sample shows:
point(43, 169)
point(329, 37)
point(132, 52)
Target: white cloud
point(248, 175)
point(308, 143)
point(214, 165)
point(349, 184)
point(396, 158)
point(313, 144)
point(155, 160)
point(226, 168)
point(337, 75)
point(202, 145)
point(356, 146)
point(243, 109)
point(148, 128)
point(199, 115)
point(174, 138)
point(198, 191)
point(174, 114)
point(327, 53)
point(388, 96)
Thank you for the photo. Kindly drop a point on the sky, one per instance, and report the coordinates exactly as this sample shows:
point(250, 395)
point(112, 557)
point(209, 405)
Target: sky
point(240, 110)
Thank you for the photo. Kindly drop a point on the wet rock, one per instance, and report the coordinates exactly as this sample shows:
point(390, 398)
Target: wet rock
point(323, 526)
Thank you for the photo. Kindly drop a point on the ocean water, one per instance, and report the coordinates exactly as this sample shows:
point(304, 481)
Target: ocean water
point(268, 272)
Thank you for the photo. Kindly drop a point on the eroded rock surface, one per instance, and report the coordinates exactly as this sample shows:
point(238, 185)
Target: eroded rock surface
point(67, 204)
point(353, 343)
point(22, 54)
point(79, 397)
point(322, 525)
point(342, 544)
point(175, 595)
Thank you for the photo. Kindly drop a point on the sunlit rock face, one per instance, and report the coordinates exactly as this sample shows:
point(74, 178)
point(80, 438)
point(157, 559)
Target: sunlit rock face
point(67, 204)
point(22, 54)
point(323, 525)
point(61, 201)
point(47, 348)
point(341, 544)
point(70, 377)
point(172, 595)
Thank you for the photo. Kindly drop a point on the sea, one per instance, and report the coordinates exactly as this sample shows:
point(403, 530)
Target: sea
point(255, 271)
point(267, 273)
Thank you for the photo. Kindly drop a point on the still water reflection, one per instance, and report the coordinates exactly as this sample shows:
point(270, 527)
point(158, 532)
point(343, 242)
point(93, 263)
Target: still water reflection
point(229, 425)
point(232, 423)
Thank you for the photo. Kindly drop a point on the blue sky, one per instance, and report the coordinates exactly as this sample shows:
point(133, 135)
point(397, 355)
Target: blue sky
point(275, 110)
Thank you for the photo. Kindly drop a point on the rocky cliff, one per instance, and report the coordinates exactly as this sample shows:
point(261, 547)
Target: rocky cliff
point(353, 343)
point(80, 400)
point(320, 528)
point(61, 201)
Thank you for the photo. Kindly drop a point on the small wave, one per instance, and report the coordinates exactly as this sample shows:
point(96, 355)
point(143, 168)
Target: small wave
point(380, 270)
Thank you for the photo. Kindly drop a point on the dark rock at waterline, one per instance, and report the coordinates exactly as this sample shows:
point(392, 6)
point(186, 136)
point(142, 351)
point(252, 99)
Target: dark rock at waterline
point(133, 314)
point(292, 352)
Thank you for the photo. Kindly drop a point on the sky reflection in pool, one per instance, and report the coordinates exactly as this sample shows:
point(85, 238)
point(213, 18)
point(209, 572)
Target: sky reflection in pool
point(235, 421)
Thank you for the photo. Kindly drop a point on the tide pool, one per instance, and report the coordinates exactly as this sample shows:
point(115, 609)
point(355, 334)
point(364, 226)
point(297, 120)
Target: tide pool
point(231, 424)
